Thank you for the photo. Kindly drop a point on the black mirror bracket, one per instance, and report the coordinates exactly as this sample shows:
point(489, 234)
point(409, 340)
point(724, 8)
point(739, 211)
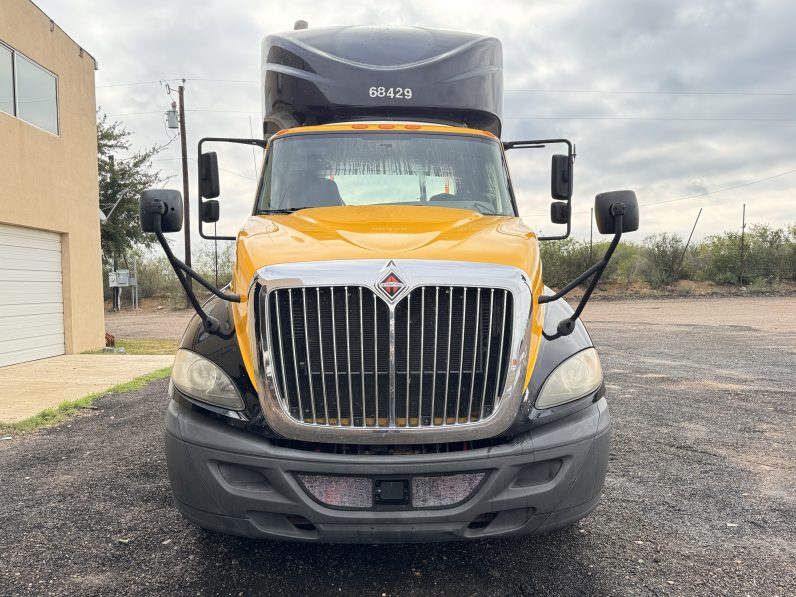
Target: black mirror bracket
point(209, 323)
point(208, 182)
point(567, 326)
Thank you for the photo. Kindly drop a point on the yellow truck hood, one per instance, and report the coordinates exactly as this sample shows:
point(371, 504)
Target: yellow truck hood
point(379, 232)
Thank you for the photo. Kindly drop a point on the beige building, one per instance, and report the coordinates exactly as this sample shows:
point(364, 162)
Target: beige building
point(50, 264)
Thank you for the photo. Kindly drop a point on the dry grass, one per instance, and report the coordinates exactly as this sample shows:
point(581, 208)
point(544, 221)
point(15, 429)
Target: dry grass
point(56, 414)
point(144, 346)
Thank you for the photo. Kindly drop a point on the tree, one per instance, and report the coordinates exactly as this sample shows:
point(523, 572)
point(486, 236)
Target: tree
point(122, 180)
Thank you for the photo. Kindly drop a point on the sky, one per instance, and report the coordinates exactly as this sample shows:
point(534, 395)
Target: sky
point(691, 104)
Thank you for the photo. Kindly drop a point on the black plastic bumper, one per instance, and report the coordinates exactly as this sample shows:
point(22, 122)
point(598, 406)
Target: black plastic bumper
point(235, 482)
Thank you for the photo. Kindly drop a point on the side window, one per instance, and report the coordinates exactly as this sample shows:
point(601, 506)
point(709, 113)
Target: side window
point(6, 81)
point(37, 97)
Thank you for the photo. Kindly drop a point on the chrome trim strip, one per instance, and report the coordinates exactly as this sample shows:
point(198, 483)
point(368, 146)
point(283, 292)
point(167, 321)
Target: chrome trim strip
point(336, 368)
point(295, 356)
point(281, 343)
point(488, 350)
point(376, 353)
point(309, 358)
point(434, 364)
point(408, 352)
point(416, 273)
point(502, 338)
point(392, 368)
point(422, 362)
point(320, 346)
point(362, 360)
point(461, 357)
point(475, 354)
point(448, 358)
point(348, 362)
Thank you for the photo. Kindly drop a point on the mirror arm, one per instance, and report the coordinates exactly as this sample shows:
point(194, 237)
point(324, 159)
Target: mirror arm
point(239, 141)
point(567, 326)
point(209, 322)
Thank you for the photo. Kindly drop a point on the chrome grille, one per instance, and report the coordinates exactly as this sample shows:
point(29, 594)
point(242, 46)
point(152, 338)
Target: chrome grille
point(342, 357)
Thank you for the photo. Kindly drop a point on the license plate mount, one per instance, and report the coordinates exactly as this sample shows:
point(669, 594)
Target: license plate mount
point(391, 492)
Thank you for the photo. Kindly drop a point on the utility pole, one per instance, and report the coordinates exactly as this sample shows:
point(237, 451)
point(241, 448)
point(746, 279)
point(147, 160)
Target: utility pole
point(186, 203)
point(743, 229)
point(591, 230)
point(688, 242)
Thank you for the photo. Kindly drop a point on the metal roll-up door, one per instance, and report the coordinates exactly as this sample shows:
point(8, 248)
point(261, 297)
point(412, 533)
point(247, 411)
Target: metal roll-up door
point(31, 295)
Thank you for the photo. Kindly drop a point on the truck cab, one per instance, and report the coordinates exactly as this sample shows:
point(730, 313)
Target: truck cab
point(386, 364)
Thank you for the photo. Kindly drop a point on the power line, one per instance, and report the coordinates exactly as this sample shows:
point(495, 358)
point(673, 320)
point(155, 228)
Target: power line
point(732, 188)
point(201, 80)
point(697, 196)
point(657, 92)
point(618, 118)
point(651, 118)
point(225, 80)
point(194, 110)
point(127, 84)
point(517, 90)
point(194, 159)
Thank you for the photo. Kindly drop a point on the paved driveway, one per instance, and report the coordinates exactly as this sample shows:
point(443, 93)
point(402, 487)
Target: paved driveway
point(28, 388)
point(700, 497)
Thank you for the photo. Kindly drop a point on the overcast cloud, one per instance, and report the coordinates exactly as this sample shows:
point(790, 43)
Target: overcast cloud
point(665, 146)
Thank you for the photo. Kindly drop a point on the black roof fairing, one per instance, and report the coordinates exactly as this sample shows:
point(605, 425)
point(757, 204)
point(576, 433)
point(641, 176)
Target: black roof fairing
point(334, 74)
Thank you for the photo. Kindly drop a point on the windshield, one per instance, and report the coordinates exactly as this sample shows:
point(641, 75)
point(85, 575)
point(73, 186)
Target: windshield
point(385, 168)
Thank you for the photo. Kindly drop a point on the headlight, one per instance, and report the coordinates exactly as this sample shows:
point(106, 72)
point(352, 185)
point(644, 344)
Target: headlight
point(202, 379)
point(578, 376)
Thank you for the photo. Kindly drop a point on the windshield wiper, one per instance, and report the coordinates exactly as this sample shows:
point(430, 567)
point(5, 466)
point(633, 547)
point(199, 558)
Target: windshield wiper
point(288, 210)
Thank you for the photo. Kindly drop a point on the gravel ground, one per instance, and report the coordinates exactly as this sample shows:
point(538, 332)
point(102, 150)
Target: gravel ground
point(700, 497)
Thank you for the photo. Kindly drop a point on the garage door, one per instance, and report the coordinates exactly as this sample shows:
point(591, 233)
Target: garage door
point(31, 295)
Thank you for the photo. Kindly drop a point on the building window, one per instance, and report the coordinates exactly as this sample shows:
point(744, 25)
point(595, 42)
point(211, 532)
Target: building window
point(28, 91)
point(6, 81)
point(37, 101)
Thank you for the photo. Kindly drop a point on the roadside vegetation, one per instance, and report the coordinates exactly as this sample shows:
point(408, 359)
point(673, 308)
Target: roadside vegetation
point(156, 278)
point(658, 264)
point(56, 414)
point(143, 346)
point(661, 261)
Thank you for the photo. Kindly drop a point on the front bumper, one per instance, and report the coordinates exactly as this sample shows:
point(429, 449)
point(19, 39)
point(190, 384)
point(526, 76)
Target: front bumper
point(235, 482)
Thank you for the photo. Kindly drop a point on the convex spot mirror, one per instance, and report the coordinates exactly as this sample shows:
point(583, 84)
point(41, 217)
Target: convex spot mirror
point(167, 203)
point(209, 186)
point(561, 177)
point(210, 211)
point(559, 212)
point(606, 207)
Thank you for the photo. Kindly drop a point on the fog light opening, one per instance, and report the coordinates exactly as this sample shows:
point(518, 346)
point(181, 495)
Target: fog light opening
point(301, 523)
point(482, 520)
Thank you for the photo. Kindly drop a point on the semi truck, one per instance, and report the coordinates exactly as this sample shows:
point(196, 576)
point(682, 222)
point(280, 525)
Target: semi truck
point(386, 363)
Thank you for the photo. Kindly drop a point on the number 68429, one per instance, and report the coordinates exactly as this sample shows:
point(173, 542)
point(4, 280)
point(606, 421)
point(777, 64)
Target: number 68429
point(391, 92)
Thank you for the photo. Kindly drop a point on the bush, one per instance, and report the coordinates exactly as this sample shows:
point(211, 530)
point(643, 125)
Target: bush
point(769, 259)
point(769, 255)
point(563, 260)
point(156, 278)
point(663, 253)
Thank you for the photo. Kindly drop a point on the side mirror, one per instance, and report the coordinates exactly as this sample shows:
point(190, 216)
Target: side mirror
point(608, 205)
point(559, 212)
point(210, 211)
point(167, 203)
point(209, 187)
point(561, 177)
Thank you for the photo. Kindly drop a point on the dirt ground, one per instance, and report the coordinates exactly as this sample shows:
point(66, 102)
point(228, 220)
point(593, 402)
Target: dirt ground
point(154, 321)
point(157, 320)
point(700, 497)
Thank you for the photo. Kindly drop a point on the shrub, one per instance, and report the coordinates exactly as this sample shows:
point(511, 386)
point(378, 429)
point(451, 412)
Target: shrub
point(563, 260)
point(663, 253)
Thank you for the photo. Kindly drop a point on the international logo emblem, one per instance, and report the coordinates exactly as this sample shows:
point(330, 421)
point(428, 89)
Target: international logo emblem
point(391, 285)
